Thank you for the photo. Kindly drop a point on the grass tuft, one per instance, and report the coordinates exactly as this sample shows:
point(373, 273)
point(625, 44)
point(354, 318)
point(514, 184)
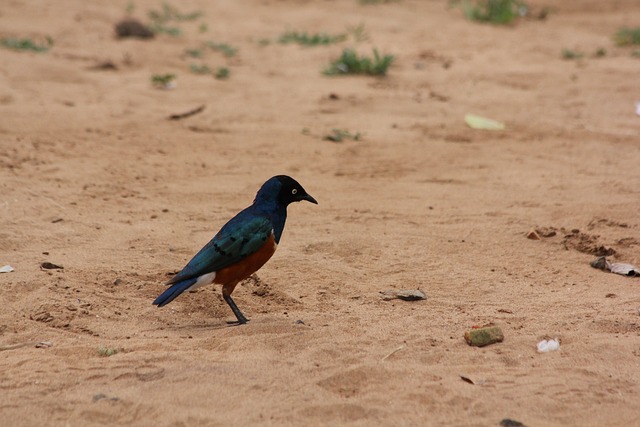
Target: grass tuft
point(359, 33)
point(165, 29)
point(108, 351)
point(227, 50)
point(600, 52)
point(366, 2)
point(571, 54)
point(627, 36)
point(350, 63)
point(27, 44)
point(200, 69)
point(161, 18)
point(500, 12)
point(194, 53)
point(306, 39)
point(170, 13)
point(222, 73)
point(339, 135)
point(163, 81)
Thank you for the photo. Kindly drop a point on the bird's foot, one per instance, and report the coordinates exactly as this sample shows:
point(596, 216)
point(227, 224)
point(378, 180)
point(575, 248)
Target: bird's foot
point(241, 319)
point(238, 322)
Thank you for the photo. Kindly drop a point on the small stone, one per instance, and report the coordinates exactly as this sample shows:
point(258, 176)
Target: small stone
point(403, 294)
point(133, 28)
point(484, 336)
point(50, 266)
point(533, 235)
point(507, 422)
point(546, 346)
point(600, 263)
point(260, 292)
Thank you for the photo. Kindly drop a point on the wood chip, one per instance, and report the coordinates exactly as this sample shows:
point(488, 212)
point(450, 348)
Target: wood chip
point(466, 379)
point(186, 114)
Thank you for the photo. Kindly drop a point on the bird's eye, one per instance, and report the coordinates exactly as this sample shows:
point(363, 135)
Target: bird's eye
point(294, 191)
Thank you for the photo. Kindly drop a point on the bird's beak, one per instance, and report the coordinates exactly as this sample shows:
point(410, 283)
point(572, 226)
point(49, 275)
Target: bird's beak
point(308, 198)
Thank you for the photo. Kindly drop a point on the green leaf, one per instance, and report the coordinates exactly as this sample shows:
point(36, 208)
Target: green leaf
point(478, 122)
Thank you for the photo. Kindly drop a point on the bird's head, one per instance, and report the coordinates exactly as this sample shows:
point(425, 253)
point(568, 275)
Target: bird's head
point(284, 190)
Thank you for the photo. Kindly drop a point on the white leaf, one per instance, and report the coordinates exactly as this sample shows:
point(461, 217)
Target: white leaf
point(6, 269)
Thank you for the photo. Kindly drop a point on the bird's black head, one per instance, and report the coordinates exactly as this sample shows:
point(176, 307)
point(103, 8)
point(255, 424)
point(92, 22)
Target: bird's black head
point(291, 191)
point(282, 190)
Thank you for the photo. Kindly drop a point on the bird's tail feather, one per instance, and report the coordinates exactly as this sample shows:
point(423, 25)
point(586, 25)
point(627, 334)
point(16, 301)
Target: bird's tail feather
point(176, 289)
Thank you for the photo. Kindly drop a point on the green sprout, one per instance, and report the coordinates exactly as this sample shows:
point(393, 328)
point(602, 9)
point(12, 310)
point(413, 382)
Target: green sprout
point(163, 81)
point(27, 44)
point(306, 39)
point(222, 73)
point(108, 351)
point(200, 69)
point(226, 49)
point(571, 54)
point(170, 13)
point(499, 12)
point(350, 63)
point(339, 135)
point(627, 36)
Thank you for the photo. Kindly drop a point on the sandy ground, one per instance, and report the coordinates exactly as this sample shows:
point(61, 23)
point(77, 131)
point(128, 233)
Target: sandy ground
point(95, 178)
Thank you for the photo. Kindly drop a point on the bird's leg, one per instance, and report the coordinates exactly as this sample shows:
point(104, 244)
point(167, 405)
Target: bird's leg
point(226, 294)
point(241, 319)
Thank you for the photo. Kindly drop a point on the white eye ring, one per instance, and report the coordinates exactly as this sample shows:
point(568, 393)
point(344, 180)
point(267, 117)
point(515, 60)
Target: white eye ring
point(294, 191)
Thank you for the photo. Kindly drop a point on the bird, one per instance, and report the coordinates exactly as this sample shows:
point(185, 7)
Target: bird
point(242, 246)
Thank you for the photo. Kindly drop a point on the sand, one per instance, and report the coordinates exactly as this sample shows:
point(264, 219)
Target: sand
point(95, 178)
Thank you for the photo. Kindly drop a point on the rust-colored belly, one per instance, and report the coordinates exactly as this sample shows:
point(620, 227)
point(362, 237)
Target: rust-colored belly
point(241, 270)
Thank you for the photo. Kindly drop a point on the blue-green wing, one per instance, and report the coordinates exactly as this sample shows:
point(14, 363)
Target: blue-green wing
point(239, 238)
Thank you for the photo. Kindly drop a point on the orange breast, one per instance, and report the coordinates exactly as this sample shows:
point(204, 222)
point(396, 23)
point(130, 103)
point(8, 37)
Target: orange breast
point(241, 270)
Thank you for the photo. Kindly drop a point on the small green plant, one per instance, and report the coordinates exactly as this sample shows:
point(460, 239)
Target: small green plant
point(571, 54)
point(306, 39)
point(27, 44)
point(166, 29)
point(163, 81)
point(499, 12)
point(600, 52)
point(350, 63)
point(170, 13)
point(339, 135)
point(203, 28)
point(131, 7)
point(359, 33)
point(227, 50)
point(635, 54)
point(160, 19)
point(627, 36)
point(377, 1)
point(200, 69)
point(194, 53)
point(222, 73)
point(108, 351)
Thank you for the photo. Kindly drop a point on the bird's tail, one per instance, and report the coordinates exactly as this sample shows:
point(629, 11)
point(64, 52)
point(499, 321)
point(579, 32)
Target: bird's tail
point(176, 289)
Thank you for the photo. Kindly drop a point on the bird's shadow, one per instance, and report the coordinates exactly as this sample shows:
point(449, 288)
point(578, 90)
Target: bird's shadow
point(211, 326)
